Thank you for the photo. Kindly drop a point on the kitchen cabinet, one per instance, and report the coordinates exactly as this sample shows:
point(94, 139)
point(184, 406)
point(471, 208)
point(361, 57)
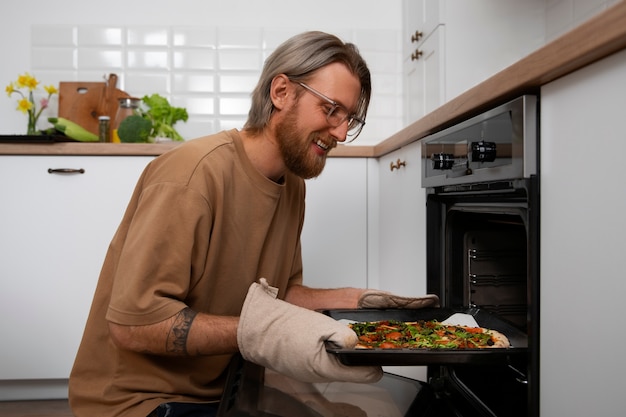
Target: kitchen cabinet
point(422, 48)
point(460, 44)
point(402, 222)
point(56, 228)
point(402, 230)
point(583, 201)
point(424, 81)
point(334, 235)
point(420, 19)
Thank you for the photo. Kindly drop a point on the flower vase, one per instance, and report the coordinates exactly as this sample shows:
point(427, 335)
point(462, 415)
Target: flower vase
point(32, 125)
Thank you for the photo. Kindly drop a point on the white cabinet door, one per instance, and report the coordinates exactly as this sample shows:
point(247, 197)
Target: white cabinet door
point(334, 237)
point(424, 77)
point(402, 231)
point(56, 228)
point(420, 18)
point(583, 237)
point(402, 222)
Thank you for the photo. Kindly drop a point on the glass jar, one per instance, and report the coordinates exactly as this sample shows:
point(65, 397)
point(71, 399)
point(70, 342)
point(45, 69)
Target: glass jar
point(127, 107)
point(104, 129)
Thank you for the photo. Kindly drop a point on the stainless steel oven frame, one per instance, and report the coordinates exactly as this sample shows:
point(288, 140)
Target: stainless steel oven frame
point(477, 173)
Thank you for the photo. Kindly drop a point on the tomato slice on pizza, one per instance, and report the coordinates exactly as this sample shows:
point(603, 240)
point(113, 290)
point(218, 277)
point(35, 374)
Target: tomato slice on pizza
point(428, 334)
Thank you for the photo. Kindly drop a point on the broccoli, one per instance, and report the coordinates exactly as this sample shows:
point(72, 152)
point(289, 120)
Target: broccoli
point(135, 129)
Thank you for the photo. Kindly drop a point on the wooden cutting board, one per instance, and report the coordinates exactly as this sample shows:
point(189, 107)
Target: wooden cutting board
point(84, 102)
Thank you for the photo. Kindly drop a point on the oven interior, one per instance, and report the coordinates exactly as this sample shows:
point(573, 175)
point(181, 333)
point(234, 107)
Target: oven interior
point(482, 254)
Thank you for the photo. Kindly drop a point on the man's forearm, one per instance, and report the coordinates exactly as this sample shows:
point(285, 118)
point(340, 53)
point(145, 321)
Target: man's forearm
point(187, 333)
point(315, 298)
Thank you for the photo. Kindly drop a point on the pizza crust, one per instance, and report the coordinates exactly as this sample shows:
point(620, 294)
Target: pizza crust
point(499, 340)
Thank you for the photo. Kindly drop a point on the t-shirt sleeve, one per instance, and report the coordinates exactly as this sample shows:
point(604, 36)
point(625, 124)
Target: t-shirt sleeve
point(163, 255)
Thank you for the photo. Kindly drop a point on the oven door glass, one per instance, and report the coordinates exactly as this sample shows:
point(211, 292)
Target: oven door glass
point(253, 391)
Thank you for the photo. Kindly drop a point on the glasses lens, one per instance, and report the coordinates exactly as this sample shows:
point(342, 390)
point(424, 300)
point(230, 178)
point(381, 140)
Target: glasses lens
point(336, 116)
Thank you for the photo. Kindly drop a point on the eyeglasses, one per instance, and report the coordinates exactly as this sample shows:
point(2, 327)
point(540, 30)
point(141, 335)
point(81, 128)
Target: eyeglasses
point(337, 114)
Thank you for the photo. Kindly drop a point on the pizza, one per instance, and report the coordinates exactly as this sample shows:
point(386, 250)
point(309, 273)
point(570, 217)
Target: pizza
point(425, 334)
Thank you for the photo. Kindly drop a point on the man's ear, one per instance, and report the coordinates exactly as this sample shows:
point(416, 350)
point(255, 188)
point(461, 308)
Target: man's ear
point(280, 90)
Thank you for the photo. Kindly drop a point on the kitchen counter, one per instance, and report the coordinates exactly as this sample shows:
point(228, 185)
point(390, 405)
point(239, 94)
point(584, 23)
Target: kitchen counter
point(593, 40)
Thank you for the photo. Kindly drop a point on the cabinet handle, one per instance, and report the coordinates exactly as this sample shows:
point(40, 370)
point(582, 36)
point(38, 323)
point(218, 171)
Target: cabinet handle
point(416, 36)
point(416, 55)
point(397, 165)
point(66, 171)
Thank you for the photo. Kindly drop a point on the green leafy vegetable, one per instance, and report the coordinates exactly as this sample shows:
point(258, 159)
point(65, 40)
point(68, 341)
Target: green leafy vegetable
point(163, 116)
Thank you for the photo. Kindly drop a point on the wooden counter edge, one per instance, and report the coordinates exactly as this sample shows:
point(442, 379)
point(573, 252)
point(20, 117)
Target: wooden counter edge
point(87, 149)
point(135, 149)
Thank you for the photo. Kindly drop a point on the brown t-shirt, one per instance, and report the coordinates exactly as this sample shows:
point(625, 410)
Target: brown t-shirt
point(201, 226)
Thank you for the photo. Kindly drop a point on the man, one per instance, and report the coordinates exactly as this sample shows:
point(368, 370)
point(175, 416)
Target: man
point(209, 248)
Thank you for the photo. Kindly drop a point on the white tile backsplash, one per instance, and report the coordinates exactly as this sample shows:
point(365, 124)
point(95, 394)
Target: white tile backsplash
point(237, 83)
point(193, 83)
point(100, 36)
point(234, 106)
point(196, 105)
point(142, 60)
point(146, 83)
point(142, 36)
point(53, 35)
point(210, 71)
point(54, 58)
point(237, 60)
point(238, 38)
point(200, 37)
point(96, 58)
point(195, 59)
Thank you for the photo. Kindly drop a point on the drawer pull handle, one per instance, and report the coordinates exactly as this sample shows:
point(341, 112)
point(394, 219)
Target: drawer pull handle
point(416, 36)
point(397, 164)
point(66, 171)
point(416, 55)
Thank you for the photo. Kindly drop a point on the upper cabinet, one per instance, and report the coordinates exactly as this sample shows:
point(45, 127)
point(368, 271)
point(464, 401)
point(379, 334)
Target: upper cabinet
point(450, 46)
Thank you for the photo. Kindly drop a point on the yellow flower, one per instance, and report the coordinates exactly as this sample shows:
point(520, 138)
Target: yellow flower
point(50, 89)
point(24, 105)
point(25, 87)
point(28, 81)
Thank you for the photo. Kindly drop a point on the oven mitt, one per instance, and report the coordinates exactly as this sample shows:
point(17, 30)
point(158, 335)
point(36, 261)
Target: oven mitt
point(291, 340)
point(384, 299)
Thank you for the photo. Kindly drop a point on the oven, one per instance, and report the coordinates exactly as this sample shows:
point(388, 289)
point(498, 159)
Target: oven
point(481, 182)
point(482, 225)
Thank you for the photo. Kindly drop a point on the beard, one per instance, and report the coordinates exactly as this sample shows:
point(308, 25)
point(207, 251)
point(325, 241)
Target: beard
point(295, 148)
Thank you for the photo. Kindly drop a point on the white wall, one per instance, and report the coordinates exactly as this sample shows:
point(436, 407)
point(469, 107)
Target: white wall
point(373, 25)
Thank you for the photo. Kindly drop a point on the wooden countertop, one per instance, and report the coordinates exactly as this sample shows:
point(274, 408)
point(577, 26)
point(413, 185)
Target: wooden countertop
point(593, 40)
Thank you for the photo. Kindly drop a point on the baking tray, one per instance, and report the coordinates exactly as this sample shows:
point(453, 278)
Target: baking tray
point(418, 357)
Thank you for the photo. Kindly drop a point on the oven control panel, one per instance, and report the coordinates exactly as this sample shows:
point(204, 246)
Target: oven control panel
point(477, 152)
point(497, 145)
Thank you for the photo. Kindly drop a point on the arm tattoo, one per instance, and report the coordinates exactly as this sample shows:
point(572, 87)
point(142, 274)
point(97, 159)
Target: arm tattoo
point(177, 336)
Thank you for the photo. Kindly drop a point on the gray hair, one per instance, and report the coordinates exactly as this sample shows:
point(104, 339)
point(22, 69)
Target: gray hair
point(298, 58)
